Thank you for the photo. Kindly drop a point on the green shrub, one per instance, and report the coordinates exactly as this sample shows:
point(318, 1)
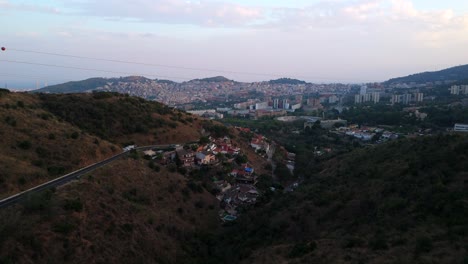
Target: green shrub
point(20, 104)
point(73, 205)
point(301, 249)
point(378, 242)
point(10, 121)
point(64, 227)
point(56, 170)
point(75, 135)
point(423, 244)
point(26, 144)
point(37, 202)
point(199, 204)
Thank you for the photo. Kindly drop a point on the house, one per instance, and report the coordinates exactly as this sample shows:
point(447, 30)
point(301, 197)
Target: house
point(205, 158)
point(223, 186)
point(186, 157)
point(166, 157)
point(241, 194)
point(291, 156)
point(129, 147)
point(243, 174)
point(258, 143)
point(149, 153)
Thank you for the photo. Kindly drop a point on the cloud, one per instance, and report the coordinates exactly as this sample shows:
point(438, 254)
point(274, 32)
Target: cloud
point(204, 13)
point(364, 10)
point(5, 4)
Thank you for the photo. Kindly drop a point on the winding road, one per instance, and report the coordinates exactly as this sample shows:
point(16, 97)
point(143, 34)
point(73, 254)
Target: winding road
point(71, 176)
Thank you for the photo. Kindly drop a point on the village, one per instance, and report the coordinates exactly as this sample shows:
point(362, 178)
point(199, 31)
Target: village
point(236, 187)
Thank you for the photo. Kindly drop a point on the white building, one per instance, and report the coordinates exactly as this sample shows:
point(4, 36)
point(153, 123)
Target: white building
point(358, 99)
point(375, 97)
point(362, 98)
point(406, 98)
point(262, 105)
point(418, 97)
point(296, 106)
point(460, 127)
point(459, 89)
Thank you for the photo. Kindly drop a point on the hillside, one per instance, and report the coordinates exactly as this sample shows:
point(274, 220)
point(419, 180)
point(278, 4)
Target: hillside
point(133, 210)
point(287, 81)
point(214, 79)
point(36, 145)
point(404, 202)
point(75, 86)
point(401, 202)
point(457, 73)
point(123, 213)
point(47, 135)
point(108, 84)
point(123, 119)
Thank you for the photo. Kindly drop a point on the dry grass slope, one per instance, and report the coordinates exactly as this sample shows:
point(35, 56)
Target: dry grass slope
point(36, 145)
point(123, 213)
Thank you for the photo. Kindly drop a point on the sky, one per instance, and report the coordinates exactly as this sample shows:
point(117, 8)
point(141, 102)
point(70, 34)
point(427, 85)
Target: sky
point(248, 40)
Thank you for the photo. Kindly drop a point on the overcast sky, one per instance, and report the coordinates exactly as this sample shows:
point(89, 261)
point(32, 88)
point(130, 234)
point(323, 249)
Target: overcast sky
point(248, 40)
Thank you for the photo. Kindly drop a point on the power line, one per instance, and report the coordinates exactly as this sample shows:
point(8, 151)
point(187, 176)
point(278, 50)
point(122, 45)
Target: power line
point(91, 69)
point(179, 67)
point(145, 64)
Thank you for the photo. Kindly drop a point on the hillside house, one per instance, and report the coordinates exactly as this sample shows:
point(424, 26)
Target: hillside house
point(258, 143)
point(186, 157)
point(205, 158)
point(241, 194)
point(165, 158)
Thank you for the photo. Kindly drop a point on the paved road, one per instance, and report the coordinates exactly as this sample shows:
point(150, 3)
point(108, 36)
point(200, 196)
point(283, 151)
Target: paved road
point(71, 176)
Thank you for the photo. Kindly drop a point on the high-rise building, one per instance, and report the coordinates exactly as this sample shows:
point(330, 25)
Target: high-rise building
point(395, 99)
point(458, 89)
point(376, 97)
point(455, 89)
point(463, 89)
point(284, 104)
point(367, 97)
point(418, 97)
point(406, 98)
point(358, 99)
point(275, 103)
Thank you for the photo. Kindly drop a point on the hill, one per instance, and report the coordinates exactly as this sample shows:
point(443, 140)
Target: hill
point(131, 210)
point(93, 84)
point(401, 202)
point(123, 119)
point(123, 213)
point(36, 145)
point(404, 202)
point(214, 79)
point(287, 81)
point(107, 84)
point(87, 85)
point(452, 74)
point(47, 135)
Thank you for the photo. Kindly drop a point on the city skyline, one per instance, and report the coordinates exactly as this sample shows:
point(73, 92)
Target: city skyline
point(316, 41)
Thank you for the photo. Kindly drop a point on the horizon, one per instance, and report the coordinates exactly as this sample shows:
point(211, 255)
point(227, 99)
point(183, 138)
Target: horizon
point(248, 41)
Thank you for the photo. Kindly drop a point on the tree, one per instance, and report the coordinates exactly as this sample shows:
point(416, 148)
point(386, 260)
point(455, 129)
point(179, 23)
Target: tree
point(240, 159)
point(204, 140)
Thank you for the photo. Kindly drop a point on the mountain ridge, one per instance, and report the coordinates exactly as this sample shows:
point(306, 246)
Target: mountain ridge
point(452, 74)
